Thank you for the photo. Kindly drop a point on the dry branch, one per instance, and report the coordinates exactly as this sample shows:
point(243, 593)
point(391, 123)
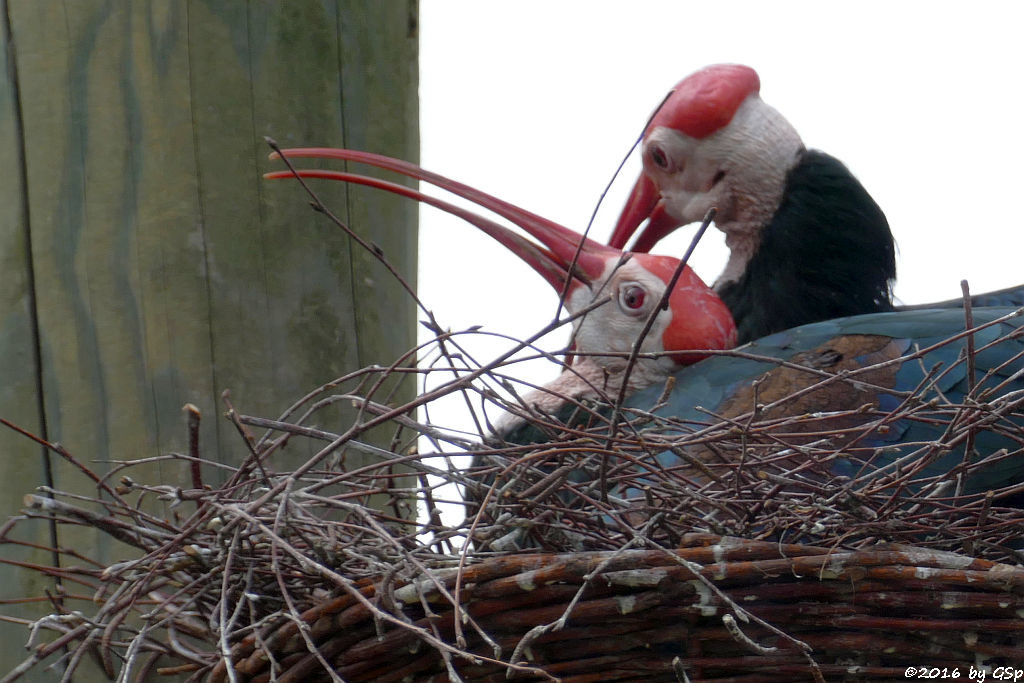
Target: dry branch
point(748, 556)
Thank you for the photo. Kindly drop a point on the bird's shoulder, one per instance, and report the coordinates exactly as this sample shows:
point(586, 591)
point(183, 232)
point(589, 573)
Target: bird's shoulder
point(787, 362)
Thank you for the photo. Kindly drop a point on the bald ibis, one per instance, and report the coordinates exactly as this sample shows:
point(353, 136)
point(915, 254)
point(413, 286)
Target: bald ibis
point(693, 318)
point(807, 242)
point(861, 366)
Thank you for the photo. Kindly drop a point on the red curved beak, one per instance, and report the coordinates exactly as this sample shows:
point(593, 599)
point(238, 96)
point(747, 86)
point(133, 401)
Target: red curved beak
point(564, 254)
point(644, 203)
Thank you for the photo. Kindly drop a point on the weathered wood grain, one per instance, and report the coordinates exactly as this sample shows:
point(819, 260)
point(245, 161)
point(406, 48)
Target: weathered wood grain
point(165, 269)
point(24, 464)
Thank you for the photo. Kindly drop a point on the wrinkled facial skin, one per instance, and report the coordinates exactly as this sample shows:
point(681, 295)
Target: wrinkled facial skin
point(693, 320)
point(747, 158)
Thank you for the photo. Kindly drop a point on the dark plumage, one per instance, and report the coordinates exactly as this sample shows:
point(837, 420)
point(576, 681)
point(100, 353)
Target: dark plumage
point(723, 386)
point(826, 253)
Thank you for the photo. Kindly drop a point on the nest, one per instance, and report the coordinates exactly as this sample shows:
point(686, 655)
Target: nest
point(579, 556)
point(657, 615)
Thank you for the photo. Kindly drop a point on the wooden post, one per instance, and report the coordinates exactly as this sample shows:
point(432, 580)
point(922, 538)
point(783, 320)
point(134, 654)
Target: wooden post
point(144, 262)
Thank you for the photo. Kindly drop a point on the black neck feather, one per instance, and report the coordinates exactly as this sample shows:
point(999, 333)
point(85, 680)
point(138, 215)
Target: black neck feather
point(826, 253)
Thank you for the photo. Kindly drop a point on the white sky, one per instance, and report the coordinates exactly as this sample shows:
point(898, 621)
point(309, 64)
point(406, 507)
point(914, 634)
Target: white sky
point(537, 101)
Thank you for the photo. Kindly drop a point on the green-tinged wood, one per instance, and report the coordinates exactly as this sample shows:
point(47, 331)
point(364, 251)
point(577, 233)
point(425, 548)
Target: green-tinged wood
point(166, 270)
point(24, 463)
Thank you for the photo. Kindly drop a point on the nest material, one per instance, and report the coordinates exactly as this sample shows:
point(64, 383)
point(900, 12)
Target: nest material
point(582, 557)
point(650, 614)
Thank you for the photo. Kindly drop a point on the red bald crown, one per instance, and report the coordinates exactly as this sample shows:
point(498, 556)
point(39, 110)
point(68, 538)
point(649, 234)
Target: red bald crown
point(700, 320)
point(706, 101)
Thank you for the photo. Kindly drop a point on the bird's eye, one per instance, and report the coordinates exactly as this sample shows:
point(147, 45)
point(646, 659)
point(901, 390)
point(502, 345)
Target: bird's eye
point(658, 157)
point(632, 297)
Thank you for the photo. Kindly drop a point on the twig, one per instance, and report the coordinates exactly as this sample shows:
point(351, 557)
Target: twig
point(193, 416)
point(655, 312)
point(961, 479)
